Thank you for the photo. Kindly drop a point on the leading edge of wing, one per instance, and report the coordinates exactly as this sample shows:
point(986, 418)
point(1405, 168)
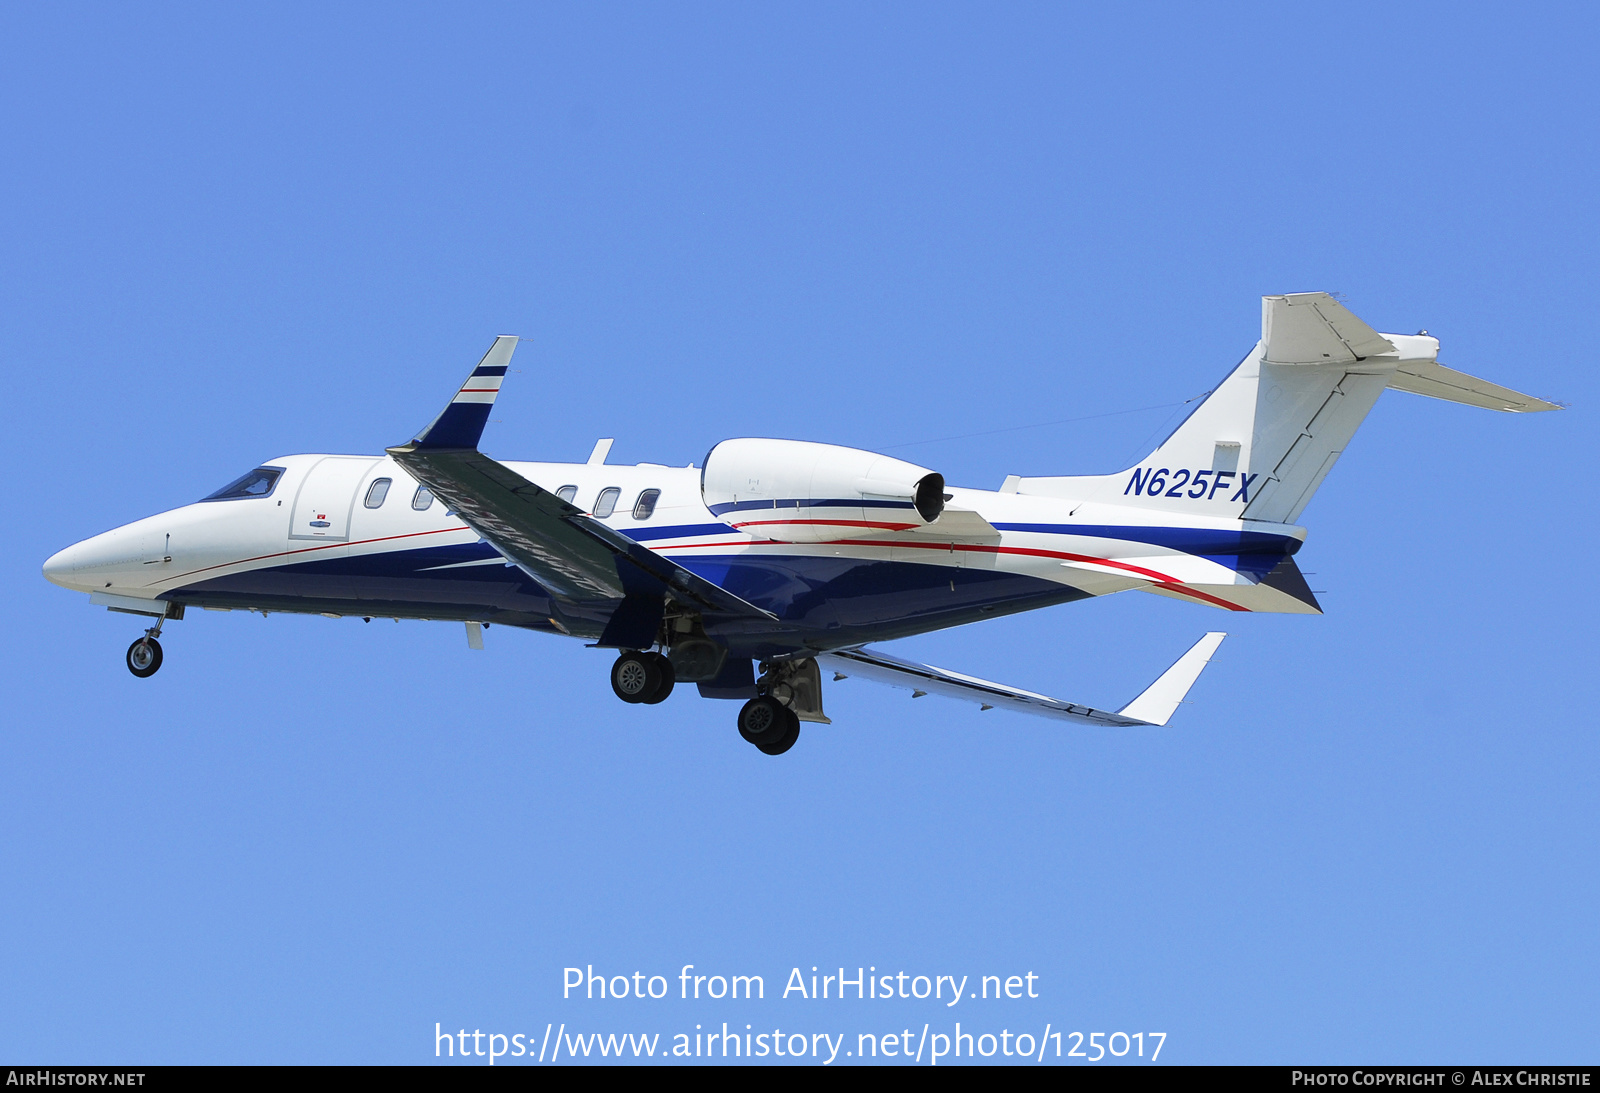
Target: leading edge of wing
point(1154, 706)
point(530, 526)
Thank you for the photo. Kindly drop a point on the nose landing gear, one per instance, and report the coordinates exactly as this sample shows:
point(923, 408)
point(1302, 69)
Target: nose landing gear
point(144, 655)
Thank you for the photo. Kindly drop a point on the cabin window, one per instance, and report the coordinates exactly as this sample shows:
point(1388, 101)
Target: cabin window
point(567, 493)
point(422, 499)
point(606, 503)
point(646, 505)
point(258, 483)
point(377, 492)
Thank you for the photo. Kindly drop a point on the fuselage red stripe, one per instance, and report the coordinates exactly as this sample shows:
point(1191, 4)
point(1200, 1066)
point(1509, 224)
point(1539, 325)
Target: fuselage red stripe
point(1166, 581)
point(308, 550)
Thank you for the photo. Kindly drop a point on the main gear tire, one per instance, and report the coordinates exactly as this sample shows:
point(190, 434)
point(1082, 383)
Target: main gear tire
point(786, 741)
point(765, 722)
point(635, 677)
point(667, 676)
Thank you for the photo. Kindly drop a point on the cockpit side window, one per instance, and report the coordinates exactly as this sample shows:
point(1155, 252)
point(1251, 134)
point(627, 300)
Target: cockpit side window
point(606, 503)
point(258, 483)
point(645, 507)
point(377, 492)
point(422, 499)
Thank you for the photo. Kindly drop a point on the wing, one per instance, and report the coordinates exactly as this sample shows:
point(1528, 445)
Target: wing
point(576, 558)
point(1154, 706)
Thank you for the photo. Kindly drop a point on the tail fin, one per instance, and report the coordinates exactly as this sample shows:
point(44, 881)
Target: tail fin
point(1260, 444)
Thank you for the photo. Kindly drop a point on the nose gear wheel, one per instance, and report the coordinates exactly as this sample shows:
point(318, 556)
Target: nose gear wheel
point(144, 657)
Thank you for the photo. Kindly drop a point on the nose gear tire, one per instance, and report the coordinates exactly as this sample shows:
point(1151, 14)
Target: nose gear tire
point(144, 657)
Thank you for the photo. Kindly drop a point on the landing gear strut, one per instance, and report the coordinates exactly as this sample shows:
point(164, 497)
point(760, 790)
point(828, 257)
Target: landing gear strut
point(642, 677)
point(144, 655)
point(769, 725)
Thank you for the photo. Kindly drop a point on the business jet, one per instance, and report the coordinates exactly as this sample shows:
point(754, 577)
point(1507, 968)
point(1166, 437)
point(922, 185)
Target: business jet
point(776, 560)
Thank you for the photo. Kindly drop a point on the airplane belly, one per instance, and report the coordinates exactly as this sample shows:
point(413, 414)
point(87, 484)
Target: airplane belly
point(461, 581)
point(821, 595)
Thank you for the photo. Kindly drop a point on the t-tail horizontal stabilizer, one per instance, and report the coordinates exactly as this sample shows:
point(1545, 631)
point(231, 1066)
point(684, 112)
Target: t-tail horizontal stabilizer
point(1260, 445)
point(1428, 377)
point(1154, 707)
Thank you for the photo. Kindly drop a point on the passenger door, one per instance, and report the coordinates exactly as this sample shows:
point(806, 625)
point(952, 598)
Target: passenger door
point(322, 507)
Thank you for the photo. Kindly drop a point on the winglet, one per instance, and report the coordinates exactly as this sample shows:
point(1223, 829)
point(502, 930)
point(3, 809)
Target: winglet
point(460, 424)
point(1159, 700)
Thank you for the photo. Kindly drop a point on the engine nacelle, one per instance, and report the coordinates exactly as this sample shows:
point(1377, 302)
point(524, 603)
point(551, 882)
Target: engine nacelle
point(798, 492)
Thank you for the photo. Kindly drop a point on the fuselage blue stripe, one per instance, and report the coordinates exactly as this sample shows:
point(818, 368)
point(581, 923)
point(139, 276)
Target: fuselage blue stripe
point(679, 531)
point(1188, 540)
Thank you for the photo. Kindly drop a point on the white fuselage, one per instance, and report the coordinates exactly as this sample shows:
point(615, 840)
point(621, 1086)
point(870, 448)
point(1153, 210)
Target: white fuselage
point(323, 541)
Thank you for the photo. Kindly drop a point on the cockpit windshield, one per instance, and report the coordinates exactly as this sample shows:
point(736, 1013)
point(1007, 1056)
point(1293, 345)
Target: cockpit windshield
point(258, 483)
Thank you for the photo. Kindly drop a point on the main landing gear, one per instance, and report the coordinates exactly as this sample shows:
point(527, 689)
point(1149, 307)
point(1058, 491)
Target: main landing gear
point(770, 721)
point(769, 725)
point(642, 677)
point(788, 692)
point(144, 655)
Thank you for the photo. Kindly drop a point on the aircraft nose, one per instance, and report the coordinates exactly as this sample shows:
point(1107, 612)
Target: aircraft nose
point(114, 558)
point(62, 566)
point(87, 566)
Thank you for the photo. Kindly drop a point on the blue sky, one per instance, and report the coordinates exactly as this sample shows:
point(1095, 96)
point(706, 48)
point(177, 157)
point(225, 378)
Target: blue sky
point(239, 232)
